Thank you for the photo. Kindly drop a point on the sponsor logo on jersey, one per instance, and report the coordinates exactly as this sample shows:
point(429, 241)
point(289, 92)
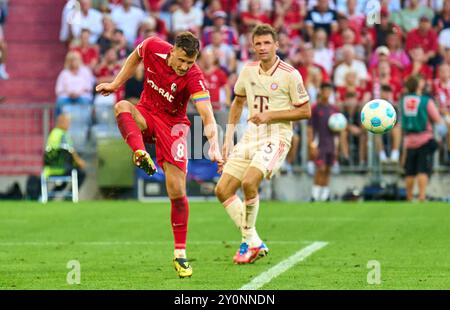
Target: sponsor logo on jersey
point(160, 90)
point(173, 88)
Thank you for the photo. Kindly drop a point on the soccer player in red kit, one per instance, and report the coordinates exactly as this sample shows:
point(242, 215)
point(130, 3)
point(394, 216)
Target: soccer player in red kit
point(172, 79)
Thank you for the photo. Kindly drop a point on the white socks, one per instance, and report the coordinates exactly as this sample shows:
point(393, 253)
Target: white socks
point(235, 209)
point(244, 216)
point(249, 231)
point(320, 193)
point(316, 192)
point(383, 156)
point(395, 155)
point(325, 193)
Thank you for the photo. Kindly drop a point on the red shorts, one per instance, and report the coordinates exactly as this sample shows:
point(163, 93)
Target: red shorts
point(170, 141)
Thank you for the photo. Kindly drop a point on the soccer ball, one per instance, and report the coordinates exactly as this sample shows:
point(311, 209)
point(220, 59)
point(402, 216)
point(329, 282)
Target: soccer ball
point(378, 116)
point(337, 122)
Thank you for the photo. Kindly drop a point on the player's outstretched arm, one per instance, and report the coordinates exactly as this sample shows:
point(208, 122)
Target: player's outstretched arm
point(127, 71)
point(204, 108)
point(233, 118)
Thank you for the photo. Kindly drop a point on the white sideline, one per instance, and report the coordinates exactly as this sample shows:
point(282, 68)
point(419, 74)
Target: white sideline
point(283, 266)
point(113, 243)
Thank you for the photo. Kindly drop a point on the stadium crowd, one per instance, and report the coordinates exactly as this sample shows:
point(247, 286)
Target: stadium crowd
point(365, 55)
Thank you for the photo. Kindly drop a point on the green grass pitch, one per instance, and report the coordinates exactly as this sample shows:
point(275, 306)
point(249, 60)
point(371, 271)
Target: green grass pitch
point(128, 245)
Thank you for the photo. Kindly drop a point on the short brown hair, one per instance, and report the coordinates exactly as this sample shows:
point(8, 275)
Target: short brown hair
point(264, 29)
point(188, 43)
point(412, 83)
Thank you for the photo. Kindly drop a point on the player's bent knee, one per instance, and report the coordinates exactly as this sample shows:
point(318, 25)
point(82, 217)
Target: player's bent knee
point(220, 192)
point(249, 187)
point(122, 106)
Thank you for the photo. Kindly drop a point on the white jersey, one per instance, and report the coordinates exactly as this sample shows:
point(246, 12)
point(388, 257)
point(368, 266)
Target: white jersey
point(279, 88)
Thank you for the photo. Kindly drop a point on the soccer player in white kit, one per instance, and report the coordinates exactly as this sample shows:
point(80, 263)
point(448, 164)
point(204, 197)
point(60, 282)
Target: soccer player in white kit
point(275, 96)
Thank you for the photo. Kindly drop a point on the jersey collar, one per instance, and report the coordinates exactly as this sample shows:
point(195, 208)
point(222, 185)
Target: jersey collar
point(272, 70)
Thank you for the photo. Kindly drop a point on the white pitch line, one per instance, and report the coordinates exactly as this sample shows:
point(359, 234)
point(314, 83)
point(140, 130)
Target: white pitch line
point(113, 243)
point(283, 266)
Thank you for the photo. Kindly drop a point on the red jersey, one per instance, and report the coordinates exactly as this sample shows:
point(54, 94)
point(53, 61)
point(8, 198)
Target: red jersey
point(166, 93)
point(88, 54)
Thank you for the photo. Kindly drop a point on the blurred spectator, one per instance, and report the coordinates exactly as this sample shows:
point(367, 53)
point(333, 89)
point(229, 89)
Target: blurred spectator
point(383, 75)
point(355, 13)
point(89, 53)
point(350, 64)
point(418, 113)
point(216, 81)
point(74, 84)
point(348, 38)
point(67, 18)
point(147, 28)
point(3, 13)
point(441, 92)
point(442, 19)
point(105, 40)
point(425, 37)
point(105, 73)
point(229, 34)
point(223, 52)
point(127, 18)
point(76, 17)
point(286, 47)
point(289, 17)
point(396, 54)
point(313, 74)
point(255, 15)
point(408, 18)
point(351, 85)
point(212, 7)
point(418, 65)
point(444, 40)
point(187, 18)
point(381, 31)
point(135, 85)
point(323, 54)
point(60, 150)
point(337, 37)
point(119, 43)
point(153, 8)
point(321, 16)
point(395, 133)
point(266, 6)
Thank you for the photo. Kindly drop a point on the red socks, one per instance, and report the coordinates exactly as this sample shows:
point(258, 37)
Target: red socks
point(179, 219)
point(130, 131)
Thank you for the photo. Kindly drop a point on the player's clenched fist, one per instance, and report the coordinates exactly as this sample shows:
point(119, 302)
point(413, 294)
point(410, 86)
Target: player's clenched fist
point(105, 88)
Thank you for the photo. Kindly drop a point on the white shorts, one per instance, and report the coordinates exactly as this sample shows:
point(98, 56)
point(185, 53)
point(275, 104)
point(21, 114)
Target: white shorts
point(266, 155)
